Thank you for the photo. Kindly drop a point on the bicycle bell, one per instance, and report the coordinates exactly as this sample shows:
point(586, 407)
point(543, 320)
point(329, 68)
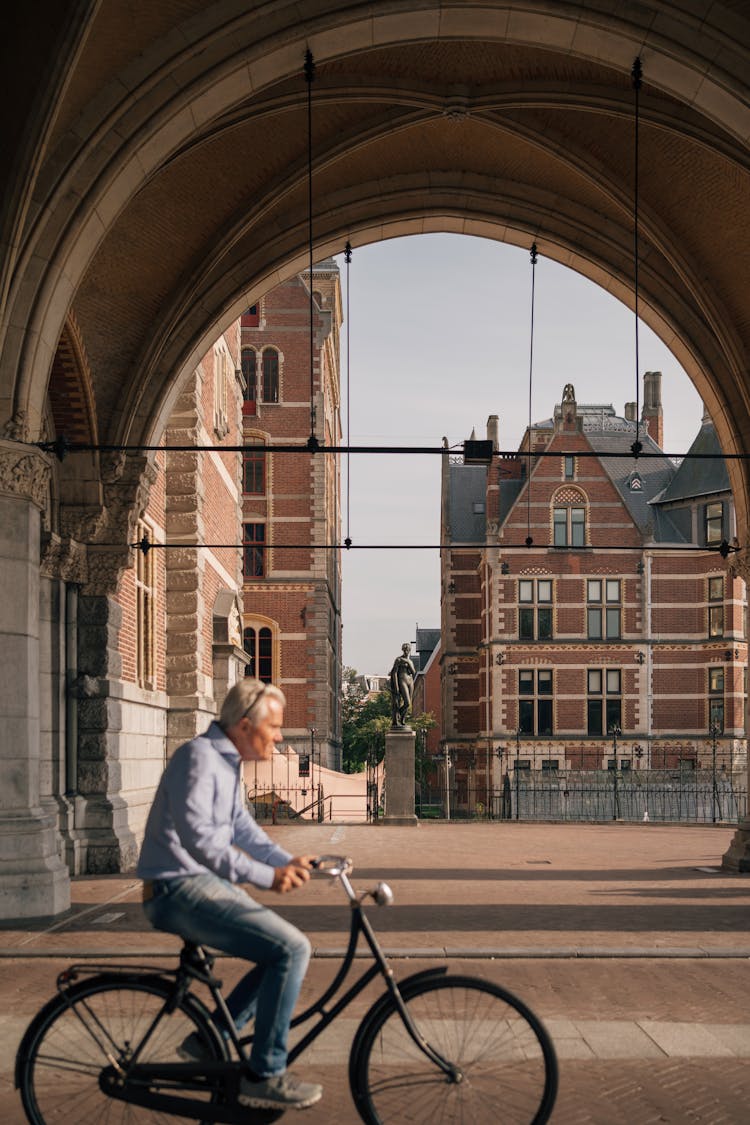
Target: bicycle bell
point(383, 895)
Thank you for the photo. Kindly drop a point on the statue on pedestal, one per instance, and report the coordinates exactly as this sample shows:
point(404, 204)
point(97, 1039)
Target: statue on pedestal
point(401, 688)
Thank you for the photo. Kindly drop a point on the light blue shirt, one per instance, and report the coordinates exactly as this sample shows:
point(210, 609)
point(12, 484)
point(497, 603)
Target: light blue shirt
point(198, 821)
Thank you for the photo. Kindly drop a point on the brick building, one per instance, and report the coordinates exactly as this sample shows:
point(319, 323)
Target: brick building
point(139, 646)
point(291, 505)
point(151, 639)
point(584, 591)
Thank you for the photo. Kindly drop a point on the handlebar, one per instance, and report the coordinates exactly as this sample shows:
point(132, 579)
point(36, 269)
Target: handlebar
point(340, 867)
point(333, 865)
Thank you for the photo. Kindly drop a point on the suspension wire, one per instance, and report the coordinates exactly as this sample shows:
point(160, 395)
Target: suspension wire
point(533, 258)
point(636, 75)
point(348, 539)
point(61, 447)
point(145, 545)
point(309, 71)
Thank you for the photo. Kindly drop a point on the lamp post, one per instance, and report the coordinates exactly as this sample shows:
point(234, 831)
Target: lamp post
point(518, 772)
point(500, 754)
point(714, 730)
point(614, 730)
point(445, 758)
point(312, 769)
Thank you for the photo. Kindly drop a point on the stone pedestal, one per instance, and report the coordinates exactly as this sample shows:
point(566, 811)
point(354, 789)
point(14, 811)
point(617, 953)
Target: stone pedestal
point(399, 777)
point(737, 858)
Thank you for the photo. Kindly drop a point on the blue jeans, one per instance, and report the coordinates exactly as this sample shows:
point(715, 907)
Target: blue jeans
point(210, 911)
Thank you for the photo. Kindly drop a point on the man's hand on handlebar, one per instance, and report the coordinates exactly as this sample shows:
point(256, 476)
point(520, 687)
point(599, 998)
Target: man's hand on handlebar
point(294, 874)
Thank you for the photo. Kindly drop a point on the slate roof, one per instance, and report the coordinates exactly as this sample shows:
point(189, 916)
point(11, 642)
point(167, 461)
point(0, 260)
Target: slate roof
point(426, 642)
point(698, 477)
point(662, 482)
point(655, 473)
point(509, 493)
point(467, 486)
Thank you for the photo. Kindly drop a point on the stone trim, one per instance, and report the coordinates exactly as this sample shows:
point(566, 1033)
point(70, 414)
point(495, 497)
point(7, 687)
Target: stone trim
point(64, 559)
point(24, 472)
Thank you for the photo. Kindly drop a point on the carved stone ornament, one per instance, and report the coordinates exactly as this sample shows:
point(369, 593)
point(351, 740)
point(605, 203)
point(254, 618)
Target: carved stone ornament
point(104, 568)
point(17, 427)
point(82, 522)
point(739, 564)
point(456, 109)
point(126, 492)
point(108, 531)
point(64, 559)
point(25, 472)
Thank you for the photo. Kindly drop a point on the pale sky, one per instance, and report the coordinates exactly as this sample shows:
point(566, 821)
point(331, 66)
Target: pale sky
point(439, 339)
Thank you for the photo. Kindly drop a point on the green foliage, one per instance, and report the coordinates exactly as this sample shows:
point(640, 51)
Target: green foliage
point(365, 723)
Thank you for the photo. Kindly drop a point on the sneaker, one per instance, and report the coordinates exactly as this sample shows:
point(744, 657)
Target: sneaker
point(194, 1049)
point(280, 1091)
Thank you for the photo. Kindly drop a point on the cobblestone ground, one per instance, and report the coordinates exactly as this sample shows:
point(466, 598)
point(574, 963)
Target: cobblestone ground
point(629, 942)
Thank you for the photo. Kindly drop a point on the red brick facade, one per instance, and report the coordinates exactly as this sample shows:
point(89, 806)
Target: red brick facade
point(586, 591)
point(292, 585)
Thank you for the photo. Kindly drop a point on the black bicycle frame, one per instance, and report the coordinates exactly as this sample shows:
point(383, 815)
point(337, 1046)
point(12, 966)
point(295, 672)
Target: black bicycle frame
point(132, 1086)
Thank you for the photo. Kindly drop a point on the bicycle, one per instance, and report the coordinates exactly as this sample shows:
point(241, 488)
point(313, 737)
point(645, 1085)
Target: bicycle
point(436, 1046)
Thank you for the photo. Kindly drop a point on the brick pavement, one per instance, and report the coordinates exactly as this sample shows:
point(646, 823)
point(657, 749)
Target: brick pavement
point(628, 941)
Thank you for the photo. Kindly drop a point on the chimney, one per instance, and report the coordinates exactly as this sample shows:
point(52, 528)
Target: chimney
point(652, 409)
point(493, 431)
point(630, 411)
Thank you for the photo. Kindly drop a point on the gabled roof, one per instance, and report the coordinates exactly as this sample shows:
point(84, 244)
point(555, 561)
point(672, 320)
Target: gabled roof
point(701, 477)
point(509, 493)
point(659, 481)
point(654, 473)
point(425, 643)
point(610, 434)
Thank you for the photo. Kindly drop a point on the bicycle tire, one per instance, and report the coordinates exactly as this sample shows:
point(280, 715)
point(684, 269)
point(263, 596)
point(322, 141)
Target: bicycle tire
point(506, 1058)
point(92, 1024)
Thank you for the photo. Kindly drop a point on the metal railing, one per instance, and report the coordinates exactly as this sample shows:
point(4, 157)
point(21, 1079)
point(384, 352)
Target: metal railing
point(663, 796)
point(290, 804)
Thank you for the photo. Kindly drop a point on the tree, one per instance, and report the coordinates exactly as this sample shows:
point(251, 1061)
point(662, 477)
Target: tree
point(365, 723)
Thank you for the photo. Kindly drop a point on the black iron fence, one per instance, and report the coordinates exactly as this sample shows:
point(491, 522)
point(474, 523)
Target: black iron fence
point(695, 796)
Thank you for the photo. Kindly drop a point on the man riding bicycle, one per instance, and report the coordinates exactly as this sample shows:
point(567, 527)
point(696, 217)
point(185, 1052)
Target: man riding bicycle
point(200, 845)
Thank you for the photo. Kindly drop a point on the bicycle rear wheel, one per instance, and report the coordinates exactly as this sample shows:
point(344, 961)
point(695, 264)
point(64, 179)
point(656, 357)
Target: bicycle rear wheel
point(504, 1058)
point(98, 1023)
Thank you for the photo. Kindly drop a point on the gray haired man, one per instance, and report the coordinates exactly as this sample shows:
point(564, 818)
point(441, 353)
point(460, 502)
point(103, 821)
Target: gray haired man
point(200, 846)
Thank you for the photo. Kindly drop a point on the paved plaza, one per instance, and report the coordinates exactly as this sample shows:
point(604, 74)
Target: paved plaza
point(629, 941)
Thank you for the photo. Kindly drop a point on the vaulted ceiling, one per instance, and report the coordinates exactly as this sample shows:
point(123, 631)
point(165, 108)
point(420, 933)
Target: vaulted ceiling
point(160, 183)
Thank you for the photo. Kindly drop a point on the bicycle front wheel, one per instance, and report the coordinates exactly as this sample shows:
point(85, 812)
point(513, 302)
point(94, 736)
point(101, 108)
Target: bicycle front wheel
point(504, 1065)
point(98, 1023)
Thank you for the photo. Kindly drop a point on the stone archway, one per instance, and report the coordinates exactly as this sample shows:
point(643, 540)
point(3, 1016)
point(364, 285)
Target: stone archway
point(160, 179)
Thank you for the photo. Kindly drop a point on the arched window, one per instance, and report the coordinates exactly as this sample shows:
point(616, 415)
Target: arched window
point(569, 519)
point(249, 362)
point(270, 389)
point(258, 644)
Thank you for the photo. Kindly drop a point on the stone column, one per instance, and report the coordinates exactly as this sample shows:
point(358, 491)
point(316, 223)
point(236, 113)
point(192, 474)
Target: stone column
point(63, 572)
point(737, 856)
point(399, 777)
point(103, 837)
point(33, 879)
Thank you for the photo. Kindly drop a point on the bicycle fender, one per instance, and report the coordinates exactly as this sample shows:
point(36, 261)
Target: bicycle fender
point(405, 987)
